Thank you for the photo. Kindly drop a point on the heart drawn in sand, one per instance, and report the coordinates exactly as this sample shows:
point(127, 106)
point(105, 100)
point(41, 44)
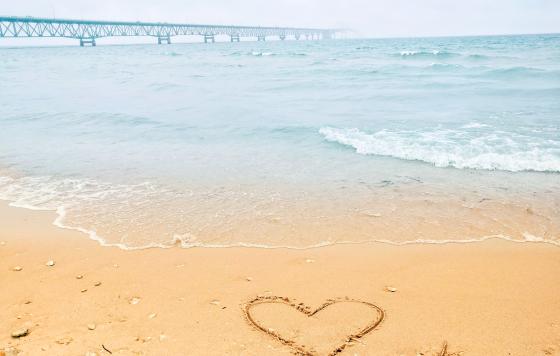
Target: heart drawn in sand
point(307, 311)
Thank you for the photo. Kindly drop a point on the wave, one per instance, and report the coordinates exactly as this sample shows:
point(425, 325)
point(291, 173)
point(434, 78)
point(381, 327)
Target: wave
point(474, 125)
point(445, 67)
point(427, 54)
point(172, 54)
point(519, 72)
point(262, 54)
point(89, 206)
point(478, 57)
point(516, 70)
point(452, 148)
point(67, 197)
point(266, 54)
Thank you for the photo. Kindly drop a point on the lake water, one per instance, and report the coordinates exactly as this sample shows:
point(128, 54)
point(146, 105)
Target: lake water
point(287, 144)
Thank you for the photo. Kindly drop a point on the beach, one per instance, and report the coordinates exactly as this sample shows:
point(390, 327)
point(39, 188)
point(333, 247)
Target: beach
point(384, 196)
point(487, 298)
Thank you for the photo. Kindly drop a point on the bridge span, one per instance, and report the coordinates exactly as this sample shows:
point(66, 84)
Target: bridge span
point(88, 31)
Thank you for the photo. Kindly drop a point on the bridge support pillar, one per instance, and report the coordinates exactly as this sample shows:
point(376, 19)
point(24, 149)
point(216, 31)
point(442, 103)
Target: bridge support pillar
point(209, 38)
point(87, 41)
point(235, 38)
point(282, 37)
point(261, 38)
point(162, 39)
point(297, 37)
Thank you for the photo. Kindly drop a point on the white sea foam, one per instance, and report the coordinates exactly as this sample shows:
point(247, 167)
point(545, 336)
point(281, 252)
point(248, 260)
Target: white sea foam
point(261, 54)
point(60, 195)
point(452, 148)
point(474, 125)
point(532, 238)
point(63, 195)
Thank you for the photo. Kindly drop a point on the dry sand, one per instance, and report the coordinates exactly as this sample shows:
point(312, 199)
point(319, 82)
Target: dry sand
point(491, 298)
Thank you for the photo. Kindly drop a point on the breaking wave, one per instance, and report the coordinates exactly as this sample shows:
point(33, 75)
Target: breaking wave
point(452, 148)
point(428, 54)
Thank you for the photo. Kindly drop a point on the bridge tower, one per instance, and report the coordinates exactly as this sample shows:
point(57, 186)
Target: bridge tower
point(162, 39)
point(87, 41)
point(209, 37)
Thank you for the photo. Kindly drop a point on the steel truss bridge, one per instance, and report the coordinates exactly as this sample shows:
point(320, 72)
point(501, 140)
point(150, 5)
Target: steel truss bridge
point(88, 31)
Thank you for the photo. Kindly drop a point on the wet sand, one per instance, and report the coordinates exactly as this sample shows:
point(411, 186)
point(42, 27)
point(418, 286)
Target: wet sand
point(488, 298)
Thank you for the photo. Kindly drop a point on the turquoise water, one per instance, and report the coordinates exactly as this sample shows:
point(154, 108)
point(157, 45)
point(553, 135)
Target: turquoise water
point(271, 144)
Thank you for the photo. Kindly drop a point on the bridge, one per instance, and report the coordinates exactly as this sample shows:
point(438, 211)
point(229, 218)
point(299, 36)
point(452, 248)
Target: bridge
point(88, 31)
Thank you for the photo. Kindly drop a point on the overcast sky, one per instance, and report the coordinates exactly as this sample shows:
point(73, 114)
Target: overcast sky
point(373, 18)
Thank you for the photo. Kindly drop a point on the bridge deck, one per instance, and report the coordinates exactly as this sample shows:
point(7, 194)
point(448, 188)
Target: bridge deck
point(90, 30)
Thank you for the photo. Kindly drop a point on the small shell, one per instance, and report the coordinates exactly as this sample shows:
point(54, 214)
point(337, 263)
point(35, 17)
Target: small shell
point(16, 334)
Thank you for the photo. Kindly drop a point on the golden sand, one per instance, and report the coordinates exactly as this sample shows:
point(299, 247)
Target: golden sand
point(489, 298)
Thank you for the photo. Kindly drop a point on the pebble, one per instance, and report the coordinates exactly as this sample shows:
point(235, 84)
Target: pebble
point(65, 340)
point(215, 302)
point(371, 214)
point(83, 290)
point(91, 353)
point(50, 263)
point(249, 279)
point(162, 337)
point(9, 351)
point(79, 276)
point(16, 334)
point(91, 326)
point(18, 268)
point(2, 243)
point(391, 289)
point(142, 339)
point(309, 260)
point(97, 284)
point(151, 316)
point(134, 300)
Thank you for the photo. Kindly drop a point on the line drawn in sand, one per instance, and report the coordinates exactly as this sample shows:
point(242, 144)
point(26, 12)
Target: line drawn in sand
point(301, 350)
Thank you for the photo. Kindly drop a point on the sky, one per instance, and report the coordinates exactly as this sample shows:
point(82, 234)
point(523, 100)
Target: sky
point(373, 18)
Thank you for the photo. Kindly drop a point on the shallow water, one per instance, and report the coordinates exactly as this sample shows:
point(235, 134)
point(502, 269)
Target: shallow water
point(292, 144)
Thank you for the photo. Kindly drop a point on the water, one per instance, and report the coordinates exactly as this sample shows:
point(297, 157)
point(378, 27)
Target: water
point(287, 144)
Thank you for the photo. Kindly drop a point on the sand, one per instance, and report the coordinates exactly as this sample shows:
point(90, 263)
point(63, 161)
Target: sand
point(488, 298)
